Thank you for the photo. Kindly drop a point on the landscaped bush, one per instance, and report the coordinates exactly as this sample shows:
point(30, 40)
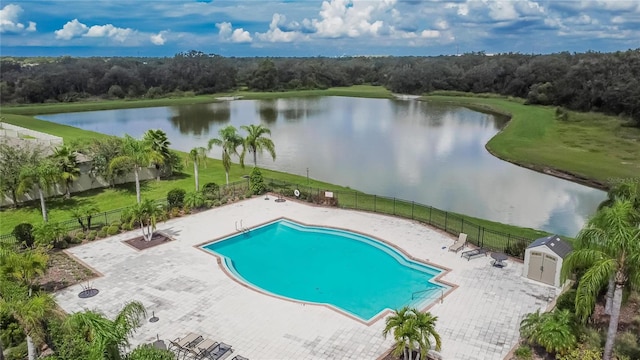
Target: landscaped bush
point(175, 198)
point(175, 212)
point(516, 249)
point(92, 235)
point(523, 352)
point(126, 216)
point(217, 203)
point(567, 301)
point(112, 230)
point(582, 354)
point(105, 228)
point(556, 331)
point(194, 199)
point(116, 223)
point(102, 233)
point(210, 190)
point(256, 182)
point(627, 345)
point(24, 234)
point(127, 227)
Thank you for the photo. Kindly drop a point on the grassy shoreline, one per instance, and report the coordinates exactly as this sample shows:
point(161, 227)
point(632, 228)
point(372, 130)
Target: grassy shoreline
point(519, 133)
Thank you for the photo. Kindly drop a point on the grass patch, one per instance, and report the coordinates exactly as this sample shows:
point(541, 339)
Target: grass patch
point(589, 146)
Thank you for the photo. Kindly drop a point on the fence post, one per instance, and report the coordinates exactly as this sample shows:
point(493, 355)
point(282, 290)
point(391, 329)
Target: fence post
point(394, 206)
point(462, 226)
point(430, 209)
point(482, 243)
point(479, 229)
point(374, 203)
point(508, 240)
point(413, 203)
point(105, 218)
point(356, 200)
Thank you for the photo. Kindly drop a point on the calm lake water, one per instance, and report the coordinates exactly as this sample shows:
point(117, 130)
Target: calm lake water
point(430, 153)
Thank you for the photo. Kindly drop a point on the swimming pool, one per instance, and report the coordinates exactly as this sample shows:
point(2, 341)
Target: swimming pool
point(351, 272)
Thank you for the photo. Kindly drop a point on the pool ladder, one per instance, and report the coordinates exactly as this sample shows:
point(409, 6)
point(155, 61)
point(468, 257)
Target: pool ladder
point(241, 229)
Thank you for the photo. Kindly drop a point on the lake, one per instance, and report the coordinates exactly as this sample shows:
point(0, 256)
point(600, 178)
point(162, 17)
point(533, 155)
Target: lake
point(429, 153)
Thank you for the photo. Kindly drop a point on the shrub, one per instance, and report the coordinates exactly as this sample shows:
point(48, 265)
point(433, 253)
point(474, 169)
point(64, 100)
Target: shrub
point(256, 182)
point(523, 352)
point(582, 354)
point(210, 190)
point(175, 198)
point(627, 345)
point(248, 194)
point(127, 227)
point(126, 216)
point(105, 228)
point(554, 331)
point(516, 249)
point(24, 234)
point(18, 352)
point(217, 203)
point(194, 199)
point(175, 212)
point(112, 230)
point(116, 223)
point(92, 235)
point(567, 301)
point(102, 233)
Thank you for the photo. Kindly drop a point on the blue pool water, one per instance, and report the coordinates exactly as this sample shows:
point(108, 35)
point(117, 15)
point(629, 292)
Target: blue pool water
point(351, 272)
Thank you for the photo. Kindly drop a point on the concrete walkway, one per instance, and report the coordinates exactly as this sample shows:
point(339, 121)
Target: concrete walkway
point(187, 290)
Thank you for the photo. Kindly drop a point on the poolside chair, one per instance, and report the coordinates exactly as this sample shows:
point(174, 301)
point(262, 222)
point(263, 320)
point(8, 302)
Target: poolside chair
point(459, 244)
point(475, 253)
point(205, 347)
point(185, 345)
point(218, 352)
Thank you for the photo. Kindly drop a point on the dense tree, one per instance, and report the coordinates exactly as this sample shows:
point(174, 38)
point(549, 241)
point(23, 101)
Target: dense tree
point(229, 141)
point(255, 142)
point(67, 163)
point(159, 144)
point(608, 247)
point(605, 82)
point(12, 160)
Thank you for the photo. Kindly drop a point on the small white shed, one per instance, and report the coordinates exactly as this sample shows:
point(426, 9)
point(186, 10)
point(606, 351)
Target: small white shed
point(543, 259)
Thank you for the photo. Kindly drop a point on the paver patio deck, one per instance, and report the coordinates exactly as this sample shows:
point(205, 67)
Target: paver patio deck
point(187, 290)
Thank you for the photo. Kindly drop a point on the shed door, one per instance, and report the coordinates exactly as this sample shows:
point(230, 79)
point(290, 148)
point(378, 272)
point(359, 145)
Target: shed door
point(549, 269)
point(542, 267)
point(535, 266)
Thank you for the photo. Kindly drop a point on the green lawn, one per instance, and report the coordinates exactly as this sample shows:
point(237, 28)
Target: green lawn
point(589, 145)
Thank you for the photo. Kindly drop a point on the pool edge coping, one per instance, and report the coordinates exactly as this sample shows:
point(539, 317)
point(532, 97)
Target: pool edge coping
point(382, 314)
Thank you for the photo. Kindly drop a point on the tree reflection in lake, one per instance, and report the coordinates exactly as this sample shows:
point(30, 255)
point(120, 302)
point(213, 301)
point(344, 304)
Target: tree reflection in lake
point(196, 119)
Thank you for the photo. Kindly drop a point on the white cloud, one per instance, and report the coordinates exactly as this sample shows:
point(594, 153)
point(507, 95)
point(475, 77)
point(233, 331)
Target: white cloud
point(9, 20)
point(109, 31)
point(275, 34)
point(339, 18)
point(75, 28)
point(71, 29)
point(159, 38)
point(227, 33)
point(502, 10)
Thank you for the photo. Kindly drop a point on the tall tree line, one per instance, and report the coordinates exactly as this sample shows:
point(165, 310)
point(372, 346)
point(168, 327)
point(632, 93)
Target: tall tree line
point(592, 81)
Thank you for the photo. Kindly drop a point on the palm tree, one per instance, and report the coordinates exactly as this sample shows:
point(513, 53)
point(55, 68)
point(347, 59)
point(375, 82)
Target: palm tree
point(49, 234)
point(136, 154)
point(159, 143)
point(108, 339)
point(555, 331)
point(68, 165)
point(629, 190)
point(255, 142)
point(197, 155)
point(426, 324)
point(25, 267)
point(42, 176)
point(146, 213)
point(609, 246)
point(229, 141)
point(412, 329)
point(84, 213)
point(29, 311)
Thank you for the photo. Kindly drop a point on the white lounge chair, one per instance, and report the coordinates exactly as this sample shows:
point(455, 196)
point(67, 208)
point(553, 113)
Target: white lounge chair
point(459, 244)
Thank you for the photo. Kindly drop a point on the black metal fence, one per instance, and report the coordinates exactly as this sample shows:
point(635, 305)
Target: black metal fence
point(449, 222)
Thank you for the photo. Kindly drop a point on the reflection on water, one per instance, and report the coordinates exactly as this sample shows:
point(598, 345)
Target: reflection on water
point(196, 119)
point(429, 153)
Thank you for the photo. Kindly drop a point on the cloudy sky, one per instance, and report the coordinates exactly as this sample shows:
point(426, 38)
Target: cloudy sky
point(315, 28)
